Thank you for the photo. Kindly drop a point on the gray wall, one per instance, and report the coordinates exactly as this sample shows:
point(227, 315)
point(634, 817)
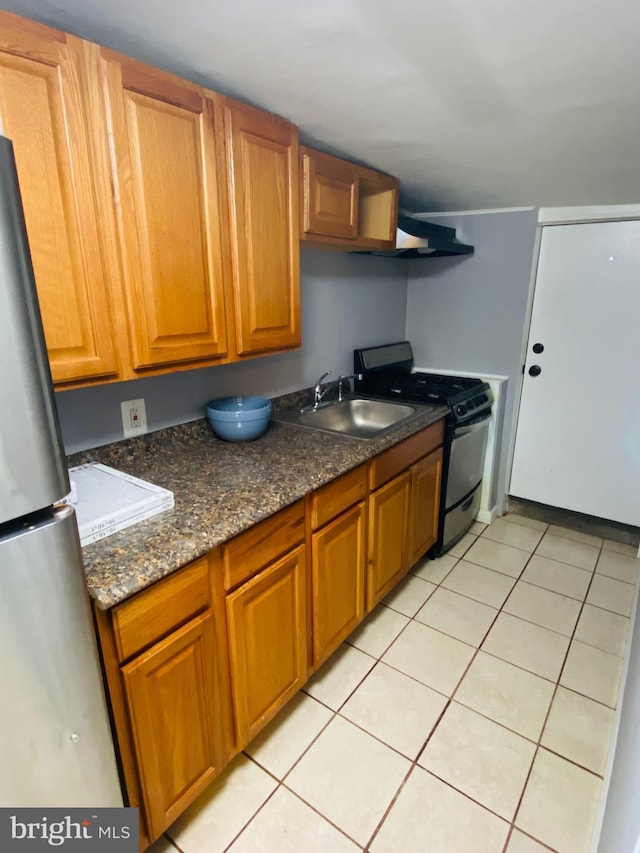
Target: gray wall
point(468, 313)
point(347, 301)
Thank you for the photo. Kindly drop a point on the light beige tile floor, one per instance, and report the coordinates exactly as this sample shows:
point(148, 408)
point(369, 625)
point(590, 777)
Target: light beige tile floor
point(470, 713)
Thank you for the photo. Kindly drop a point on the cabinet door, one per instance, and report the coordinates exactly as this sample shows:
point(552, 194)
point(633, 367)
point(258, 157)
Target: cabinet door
point(176, 720)
point(262, 153)
point(425, 504)
point(162, 132)
point(266, 619)
point(329, 195)
point(338, 571)
point(389, 509)
point(41, 112)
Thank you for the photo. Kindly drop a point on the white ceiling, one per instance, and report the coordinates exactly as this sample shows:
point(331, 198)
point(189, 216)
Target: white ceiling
point(473, 104)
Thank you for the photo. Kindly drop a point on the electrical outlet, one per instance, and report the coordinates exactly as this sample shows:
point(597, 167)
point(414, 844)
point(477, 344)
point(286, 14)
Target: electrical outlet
point(134, 417)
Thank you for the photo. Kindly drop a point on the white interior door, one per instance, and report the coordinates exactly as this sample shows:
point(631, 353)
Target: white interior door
point(578, 434)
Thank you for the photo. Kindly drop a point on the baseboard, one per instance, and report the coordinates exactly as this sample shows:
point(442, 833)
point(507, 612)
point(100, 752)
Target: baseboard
point(486, 516)
point(576, 521)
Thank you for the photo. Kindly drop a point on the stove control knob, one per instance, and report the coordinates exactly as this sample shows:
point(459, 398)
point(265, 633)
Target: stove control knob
point(461, 410)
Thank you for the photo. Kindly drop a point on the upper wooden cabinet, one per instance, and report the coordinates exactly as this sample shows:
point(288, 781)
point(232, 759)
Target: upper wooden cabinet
point(346, 205)
point(163, 218)
point(262, 164)
point(332, 192)
point(162, 137)
point(41, 111)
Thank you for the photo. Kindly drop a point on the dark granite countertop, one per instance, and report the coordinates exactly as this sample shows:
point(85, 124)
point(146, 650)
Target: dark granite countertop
point(220, 489)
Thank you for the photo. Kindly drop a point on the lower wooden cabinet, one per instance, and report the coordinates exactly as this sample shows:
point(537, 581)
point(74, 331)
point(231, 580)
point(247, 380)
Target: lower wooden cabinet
point(425, 504)
point(267, 627)
point(200, 662)
point(174, 707)
point(389, 508)
point(338, 577)
point(164, 656)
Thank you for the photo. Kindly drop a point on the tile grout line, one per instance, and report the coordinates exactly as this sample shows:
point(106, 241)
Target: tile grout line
point(450, 699)
point(281, 783)
point(539, 745)
point(413, 763)
point(556, 683)
point(378, 659)
point(256, 812)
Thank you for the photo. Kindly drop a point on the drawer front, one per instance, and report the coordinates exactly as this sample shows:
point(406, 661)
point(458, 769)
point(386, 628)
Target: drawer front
point(403, 455)
point(262, 544)
point(153, 613)
point(330, 500)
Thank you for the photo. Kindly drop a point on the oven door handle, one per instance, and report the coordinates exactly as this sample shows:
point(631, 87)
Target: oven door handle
point(465, 506)
point(477, 423)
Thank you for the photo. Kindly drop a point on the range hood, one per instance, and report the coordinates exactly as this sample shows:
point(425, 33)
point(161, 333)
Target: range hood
point(416, 238)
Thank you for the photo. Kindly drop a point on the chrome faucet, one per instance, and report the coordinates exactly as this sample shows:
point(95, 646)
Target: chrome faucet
point(343, 379)
point(318, 390)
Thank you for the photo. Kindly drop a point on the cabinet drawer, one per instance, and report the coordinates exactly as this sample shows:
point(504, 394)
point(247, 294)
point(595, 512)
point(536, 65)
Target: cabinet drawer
point(338, 495)
point(403, 455)
point(153, 613)
point(251, 551)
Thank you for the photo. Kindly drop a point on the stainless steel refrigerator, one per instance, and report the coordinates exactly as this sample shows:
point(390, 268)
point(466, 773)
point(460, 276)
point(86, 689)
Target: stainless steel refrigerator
point(56, 747)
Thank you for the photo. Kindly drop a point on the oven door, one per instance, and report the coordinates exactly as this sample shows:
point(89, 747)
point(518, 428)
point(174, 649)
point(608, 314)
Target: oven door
point(466, 459)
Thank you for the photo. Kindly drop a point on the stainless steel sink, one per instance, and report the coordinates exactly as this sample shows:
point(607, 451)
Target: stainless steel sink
point(358, 417)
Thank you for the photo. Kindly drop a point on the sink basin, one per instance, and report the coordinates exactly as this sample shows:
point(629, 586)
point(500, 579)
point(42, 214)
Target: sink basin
point(358, 417)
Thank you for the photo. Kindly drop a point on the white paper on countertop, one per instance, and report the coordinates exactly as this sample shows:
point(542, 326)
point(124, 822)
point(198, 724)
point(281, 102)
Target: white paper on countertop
point(108, 500)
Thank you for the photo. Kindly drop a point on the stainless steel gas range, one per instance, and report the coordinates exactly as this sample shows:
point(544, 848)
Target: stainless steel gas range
point(388, 371)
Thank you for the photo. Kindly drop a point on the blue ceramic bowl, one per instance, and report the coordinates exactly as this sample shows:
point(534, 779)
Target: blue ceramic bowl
point(239, 418)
